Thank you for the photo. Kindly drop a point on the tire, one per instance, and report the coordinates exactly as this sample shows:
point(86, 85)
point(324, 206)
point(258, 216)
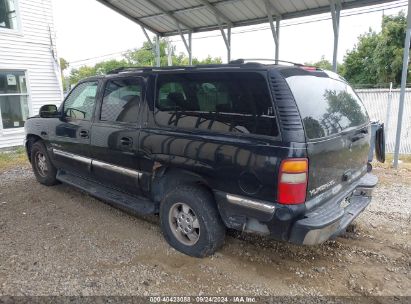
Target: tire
point(179, 210)
point(43, 169)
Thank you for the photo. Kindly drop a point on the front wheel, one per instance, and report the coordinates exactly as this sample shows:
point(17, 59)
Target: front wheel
point(190, 221)
point(43, 169)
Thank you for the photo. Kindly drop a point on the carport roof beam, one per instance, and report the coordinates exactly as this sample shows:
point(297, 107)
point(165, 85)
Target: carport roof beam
point(196, 16)
point(128, 16)
point(170, 15)
point(217, 12)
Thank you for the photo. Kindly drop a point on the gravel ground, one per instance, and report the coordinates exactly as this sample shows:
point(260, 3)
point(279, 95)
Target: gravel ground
point(60, 241)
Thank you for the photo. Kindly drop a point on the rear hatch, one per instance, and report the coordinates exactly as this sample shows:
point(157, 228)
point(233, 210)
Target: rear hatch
point(337, 131)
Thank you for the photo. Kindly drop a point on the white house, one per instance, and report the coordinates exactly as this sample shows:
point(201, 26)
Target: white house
point(29, 71)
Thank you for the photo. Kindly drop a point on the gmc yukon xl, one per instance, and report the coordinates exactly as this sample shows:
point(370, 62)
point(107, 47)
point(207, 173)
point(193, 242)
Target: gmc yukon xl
point(271, 149)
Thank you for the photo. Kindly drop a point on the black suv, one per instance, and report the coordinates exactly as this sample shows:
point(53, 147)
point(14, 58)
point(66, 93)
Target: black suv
point(272, 149)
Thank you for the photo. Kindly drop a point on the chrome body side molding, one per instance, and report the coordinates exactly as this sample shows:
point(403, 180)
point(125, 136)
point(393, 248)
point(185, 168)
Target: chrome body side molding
point(250, 203)
point(96, 163)
point(76, 157)
point(117, 169)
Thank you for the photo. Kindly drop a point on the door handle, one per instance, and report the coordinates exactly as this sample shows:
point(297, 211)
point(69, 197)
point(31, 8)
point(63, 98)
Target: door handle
point(126, 141)
point(84, 134)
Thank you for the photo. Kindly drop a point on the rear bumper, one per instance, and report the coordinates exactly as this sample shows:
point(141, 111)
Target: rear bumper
point(308, 224)
point(325, 224)
point(332, 218)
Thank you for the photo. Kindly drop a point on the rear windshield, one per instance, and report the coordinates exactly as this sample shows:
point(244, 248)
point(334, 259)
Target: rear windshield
point(327, 106)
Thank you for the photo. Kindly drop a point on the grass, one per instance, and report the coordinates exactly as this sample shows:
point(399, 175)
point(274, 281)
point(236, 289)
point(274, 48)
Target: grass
point(405, 162)
point(16, 157)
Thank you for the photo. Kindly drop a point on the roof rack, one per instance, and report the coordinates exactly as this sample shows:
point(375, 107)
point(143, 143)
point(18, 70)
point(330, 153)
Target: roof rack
point(175, 67)
point(126, 69)
point(233, 63)
point(253, 60)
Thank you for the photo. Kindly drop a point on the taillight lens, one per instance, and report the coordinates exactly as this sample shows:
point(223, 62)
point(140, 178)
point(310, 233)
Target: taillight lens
point(292, 181)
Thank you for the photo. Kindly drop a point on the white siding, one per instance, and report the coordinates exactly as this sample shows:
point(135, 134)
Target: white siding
point(30, 49)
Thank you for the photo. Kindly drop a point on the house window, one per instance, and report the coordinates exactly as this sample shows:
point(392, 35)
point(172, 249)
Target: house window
point(13, 99)
point(8, 14)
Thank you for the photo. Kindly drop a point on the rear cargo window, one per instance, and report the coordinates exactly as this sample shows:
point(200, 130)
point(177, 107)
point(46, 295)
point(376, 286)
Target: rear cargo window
point(327, 106)
point(219, 102)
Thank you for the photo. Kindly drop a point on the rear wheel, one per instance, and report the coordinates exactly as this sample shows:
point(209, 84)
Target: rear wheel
point(190, 221)
point(43, 169)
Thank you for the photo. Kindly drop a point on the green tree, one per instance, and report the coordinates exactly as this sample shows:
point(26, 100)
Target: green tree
point(82, 72)
point(377, 57)
point(359, 63)
point(64, 65)
point(324, 64)
point(100, 68)
point(143, 56)
point(389, 51)
point(107, 66)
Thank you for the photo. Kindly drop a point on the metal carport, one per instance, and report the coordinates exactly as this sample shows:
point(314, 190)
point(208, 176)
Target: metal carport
point(185, 17)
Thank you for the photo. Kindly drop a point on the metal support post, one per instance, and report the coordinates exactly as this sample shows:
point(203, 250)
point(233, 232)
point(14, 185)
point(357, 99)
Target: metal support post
point(229, 44)
point(277, 45)
point(158, 51)
point(219, 17)
point(403, 84)
point(335, 15)
point(387, 116)
point(186, 44)
point(227, 41)
point(275, 29)
point(154, 48)
point(169, 54)
point(190, 50)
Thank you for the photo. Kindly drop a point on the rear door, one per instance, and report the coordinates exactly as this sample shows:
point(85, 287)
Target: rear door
point(337, 131)
point(114, 135)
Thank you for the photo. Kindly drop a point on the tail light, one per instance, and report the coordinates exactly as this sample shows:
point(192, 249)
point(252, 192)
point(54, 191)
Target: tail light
point(292, 181)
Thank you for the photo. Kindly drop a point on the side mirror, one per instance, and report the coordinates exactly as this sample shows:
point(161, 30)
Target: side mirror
point(48, 111)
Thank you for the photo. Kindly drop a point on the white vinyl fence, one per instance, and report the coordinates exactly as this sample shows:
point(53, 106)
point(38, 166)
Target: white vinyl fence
point(382, 105)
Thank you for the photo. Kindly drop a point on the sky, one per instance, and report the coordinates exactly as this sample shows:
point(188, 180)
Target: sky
point(88, 32)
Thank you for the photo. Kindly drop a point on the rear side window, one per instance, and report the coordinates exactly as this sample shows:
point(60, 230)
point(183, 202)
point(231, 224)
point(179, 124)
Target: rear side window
point(121, 100)
point(327, 106)
point(220, 102)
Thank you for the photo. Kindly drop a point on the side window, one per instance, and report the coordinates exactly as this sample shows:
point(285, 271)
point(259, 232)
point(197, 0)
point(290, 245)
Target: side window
point(80, 103)
point(8, 14)
point(220, 102)
point(121, 100)
point(170, 95)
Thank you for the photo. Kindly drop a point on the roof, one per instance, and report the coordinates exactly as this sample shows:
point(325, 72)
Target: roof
point(167, 18)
